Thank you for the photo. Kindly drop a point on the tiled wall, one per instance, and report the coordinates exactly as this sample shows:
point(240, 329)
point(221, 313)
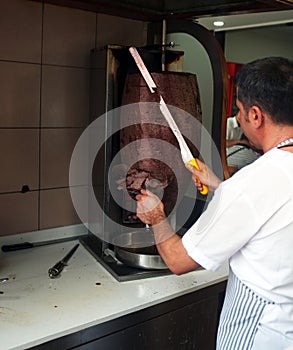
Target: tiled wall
point(44, 104)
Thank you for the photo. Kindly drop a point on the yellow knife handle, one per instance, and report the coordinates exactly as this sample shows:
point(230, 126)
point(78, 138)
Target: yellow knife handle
point(205, 189)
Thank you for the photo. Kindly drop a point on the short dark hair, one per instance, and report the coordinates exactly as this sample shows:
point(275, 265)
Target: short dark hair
point(268, 84)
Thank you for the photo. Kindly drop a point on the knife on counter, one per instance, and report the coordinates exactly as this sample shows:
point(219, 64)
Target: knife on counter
point(56, 270)
point(186, 154)
point(27, 245)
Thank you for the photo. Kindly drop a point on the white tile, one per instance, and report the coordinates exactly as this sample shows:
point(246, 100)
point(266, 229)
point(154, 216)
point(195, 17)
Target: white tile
point(19, 94)
point(56, 209)
point(20, 30)
point(19, 159)
point(113, 30)
point(18, 212)
point(56, 149)
point(69, 35)
point(65, 97)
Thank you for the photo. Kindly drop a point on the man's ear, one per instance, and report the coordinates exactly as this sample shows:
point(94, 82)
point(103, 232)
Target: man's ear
point(256, 116)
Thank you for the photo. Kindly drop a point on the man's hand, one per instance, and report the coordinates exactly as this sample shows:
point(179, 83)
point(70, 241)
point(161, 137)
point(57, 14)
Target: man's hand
point(204, 176)
point(149, 209)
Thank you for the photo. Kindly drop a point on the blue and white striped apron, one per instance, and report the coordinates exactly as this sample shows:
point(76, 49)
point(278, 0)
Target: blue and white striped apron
point(240, 316)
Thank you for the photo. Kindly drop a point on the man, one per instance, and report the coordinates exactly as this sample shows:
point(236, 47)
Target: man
point(249, 221)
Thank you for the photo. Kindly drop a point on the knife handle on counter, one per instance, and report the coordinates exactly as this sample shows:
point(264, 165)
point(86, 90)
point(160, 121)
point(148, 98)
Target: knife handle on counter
point(18, 246)
point(205, 188)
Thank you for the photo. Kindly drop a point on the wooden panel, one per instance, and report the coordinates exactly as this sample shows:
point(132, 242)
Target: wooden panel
point(189, 328)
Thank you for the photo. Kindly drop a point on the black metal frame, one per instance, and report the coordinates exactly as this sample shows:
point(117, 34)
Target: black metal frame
point(219, 70)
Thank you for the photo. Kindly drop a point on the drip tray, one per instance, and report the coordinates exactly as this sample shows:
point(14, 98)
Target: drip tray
point(117, 269)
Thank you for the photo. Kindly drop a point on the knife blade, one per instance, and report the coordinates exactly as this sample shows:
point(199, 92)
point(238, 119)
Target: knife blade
point(186, 154)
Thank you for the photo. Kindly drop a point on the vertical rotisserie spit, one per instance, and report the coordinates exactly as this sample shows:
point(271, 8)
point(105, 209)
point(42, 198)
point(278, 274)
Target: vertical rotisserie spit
point(179, 90)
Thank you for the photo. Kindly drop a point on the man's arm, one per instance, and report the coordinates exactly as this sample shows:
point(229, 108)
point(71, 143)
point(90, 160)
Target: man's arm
point(150, 210)
point(244, 142)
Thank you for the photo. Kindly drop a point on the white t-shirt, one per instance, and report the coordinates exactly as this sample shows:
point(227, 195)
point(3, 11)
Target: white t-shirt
point(249, 222)
point(233, 131)
point(238, 155)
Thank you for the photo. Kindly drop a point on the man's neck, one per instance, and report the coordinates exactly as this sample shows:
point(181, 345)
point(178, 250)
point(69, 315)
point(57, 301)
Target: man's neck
point(277, 135)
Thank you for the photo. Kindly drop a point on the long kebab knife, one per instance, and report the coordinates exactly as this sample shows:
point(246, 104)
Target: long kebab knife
point(186, 154)
point(27, 245)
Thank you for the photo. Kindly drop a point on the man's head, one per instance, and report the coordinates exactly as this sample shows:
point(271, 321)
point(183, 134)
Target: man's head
point(268, 84)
